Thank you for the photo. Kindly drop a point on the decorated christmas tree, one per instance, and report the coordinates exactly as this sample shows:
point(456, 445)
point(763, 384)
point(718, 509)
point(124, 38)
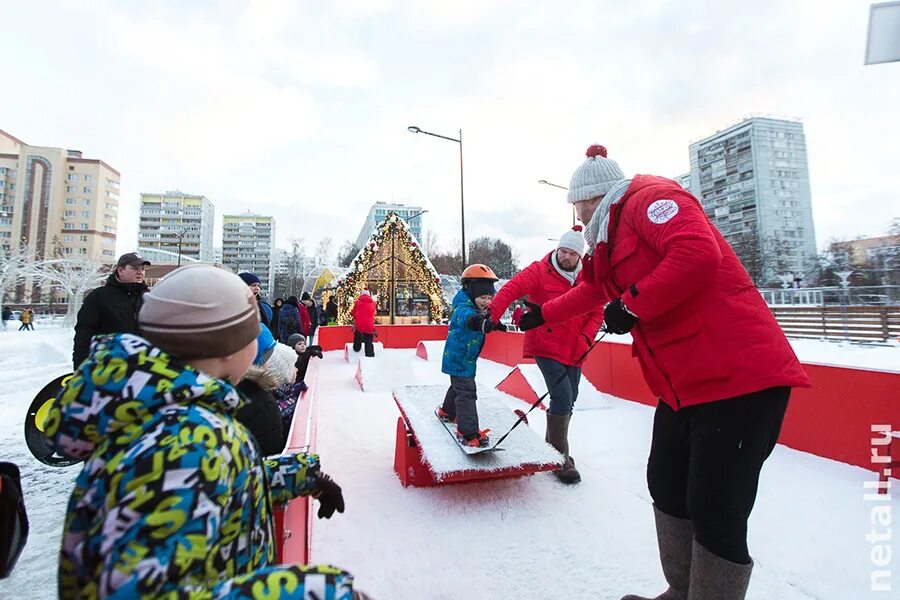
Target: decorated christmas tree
point(393, 267)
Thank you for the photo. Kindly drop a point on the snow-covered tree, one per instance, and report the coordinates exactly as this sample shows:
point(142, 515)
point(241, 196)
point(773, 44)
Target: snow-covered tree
point(15, 266)
point(74, 276)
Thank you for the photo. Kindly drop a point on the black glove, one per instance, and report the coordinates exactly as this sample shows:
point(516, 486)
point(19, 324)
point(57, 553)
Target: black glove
point(533, 318)
point(500, 327)
point(617, 318)
point(329, 495)
point(314, 351)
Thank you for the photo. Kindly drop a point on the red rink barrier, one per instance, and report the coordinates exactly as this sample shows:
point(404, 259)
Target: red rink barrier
point(421, 351)
point(333, 337)
point(293, 523)
point(516, 385)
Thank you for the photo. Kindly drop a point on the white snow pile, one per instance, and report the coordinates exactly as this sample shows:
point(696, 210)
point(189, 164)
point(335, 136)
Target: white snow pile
point(444, 456)
point(379, 373)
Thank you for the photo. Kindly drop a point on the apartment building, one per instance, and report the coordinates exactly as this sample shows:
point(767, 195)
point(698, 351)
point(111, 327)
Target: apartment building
point(248, 244)
point(177, 222)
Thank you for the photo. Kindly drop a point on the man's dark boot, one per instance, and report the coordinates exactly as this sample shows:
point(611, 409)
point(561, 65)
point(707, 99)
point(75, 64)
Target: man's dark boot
point(676, 540)
point(558, 437)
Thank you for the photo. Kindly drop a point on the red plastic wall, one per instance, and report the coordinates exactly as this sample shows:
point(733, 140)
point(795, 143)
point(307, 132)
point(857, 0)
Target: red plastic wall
point(333, 337)
point(832, 419)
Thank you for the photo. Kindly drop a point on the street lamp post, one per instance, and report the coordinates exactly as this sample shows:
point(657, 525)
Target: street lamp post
point(462, 203)
point(562, 187)
point(180, 235)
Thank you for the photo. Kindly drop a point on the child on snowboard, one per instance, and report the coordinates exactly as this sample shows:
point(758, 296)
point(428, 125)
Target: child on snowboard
point(469, 322)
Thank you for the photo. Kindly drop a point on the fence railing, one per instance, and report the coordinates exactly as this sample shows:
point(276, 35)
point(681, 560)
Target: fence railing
point(860, 323)
point(877, 295)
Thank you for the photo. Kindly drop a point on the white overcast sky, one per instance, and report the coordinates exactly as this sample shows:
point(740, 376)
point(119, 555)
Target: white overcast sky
point(300, 109)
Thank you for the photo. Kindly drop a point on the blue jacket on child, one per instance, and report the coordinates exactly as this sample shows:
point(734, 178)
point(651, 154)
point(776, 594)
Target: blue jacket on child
point(463, 345)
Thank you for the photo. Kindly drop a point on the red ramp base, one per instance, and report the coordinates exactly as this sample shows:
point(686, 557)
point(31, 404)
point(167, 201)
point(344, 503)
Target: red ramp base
point(515, 384)
point(412, 471)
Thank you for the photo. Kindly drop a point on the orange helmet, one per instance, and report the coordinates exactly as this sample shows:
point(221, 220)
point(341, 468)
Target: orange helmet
point(478, 271)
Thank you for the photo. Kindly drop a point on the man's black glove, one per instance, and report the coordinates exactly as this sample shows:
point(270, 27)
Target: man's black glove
point(533, 318)
point(617, 318)
point(329, 495)
point(314, 351)
point(500, 327)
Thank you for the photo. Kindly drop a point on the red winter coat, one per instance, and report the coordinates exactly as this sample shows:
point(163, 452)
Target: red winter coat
point(305, 322)
point(704, 332)
point(565, 342)
point(363, 313)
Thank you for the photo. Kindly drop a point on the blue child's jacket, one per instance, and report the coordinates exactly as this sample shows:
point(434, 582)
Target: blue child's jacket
point(463, 345)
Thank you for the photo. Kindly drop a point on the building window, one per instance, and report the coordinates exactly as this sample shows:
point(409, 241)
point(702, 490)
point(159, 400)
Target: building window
point(84, 225)
point(5, 221)
point(67, 237)
point(83, 238)
point(70, 213)
point(87, 190)
point(87, 177)
point(70, 201)
point(67, 251)
point(72, 177)
point(86, 201)
point(82, 251)
point(85, 213)
point(68, 226)
point(71, 189)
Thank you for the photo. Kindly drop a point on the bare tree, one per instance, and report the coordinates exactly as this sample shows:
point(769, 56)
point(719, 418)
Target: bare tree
point(347, 253)
point(74, 276)
point(323, 250)
point(430, 243)
point(15, 266)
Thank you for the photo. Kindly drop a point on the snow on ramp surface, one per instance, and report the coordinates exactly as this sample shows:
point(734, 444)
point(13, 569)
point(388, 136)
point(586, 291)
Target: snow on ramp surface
point(351, 356)
point(443, 455)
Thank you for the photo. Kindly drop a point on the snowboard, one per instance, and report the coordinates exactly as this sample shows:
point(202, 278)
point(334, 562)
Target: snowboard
point(451, 429)
point(34, 424)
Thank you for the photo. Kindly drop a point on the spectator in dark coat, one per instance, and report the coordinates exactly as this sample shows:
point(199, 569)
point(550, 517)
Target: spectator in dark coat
point(265, 309)
point(276, 309)
point(260, 414)
point(331, 310)
point(112, 308)
point(290, 319)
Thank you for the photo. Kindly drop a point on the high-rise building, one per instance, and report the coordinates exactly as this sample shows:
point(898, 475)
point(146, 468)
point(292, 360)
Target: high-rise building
point(753, 181)
point(379, 212)
point(175, 219)
point(684, 180)
point(248, 244)
point(57, 201)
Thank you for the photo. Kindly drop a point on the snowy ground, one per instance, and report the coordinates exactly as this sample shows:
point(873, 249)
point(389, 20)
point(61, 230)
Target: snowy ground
point(535, 538)
point(521, 538)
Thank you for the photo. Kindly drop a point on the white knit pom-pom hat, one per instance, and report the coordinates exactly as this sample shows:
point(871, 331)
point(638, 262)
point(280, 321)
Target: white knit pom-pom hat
point(595, 176)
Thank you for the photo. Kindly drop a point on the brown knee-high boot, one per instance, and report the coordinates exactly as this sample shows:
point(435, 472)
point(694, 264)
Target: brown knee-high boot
point(558, 437)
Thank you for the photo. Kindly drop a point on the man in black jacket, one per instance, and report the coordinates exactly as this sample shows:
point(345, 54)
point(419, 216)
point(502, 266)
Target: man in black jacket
point(112, 308)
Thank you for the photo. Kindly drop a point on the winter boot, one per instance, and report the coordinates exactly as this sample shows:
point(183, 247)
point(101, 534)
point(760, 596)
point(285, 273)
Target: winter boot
point(714, 578)
point(475, 440)
point(558, 437)
point(675, 538)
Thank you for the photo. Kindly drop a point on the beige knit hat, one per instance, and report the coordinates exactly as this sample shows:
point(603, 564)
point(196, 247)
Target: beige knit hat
point(281, 364)
point(199, 311)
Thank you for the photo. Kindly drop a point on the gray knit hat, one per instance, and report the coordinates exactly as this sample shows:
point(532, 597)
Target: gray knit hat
point(595, 176)
point(199, 311)
point(280, 364)
point(573, 240)
point(294, 338)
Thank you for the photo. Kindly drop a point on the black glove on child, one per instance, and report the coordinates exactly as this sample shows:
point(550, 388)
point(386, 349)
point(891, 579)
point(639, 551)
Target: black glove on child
point(314, 351)
point(533, 318)
point(329, 495)
point(617, 318)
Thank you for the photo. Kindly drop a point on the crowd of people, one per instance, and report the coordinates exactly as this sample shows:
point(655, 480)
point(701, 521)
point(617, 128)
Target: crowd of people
point(182, 399)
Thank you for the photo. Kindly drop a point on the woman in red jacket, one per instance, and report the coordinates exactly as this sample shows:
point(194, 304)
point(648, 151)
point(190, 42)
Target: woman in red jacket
point(363, 313)
point(709, 348)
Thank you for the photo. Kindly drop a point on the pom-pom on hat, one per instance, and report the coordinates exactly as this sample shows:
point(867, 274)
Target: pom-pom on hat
point(595, 176)
point(573, 240)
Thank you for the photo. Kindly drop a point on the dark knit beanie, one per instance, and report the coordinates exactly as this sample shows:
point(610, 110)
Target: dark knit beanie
point(479, 287)
point(199, 311)
point(249, 278)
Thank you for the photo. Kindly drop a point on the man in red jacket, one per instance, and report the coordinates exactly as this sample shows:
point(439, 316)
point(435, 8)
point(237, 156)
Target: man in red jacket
point(557, 350)
point(363, 313)
point(709, 348)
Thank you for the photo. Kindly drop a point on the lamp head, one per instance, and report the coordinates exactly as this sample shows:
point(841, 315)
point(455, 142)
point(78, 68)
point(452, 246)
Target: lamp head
point(413, 129)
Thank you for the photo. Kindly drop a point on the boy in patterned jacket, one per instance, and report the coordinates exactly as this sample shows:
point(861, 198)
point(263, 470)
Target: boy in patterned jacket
point(174, 498)
point(465, 337)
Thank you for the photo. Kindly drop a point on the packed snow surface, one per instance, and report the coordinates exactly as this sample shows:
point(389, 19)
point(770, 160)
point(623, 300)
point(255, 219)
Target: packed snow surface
point(528, 537)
